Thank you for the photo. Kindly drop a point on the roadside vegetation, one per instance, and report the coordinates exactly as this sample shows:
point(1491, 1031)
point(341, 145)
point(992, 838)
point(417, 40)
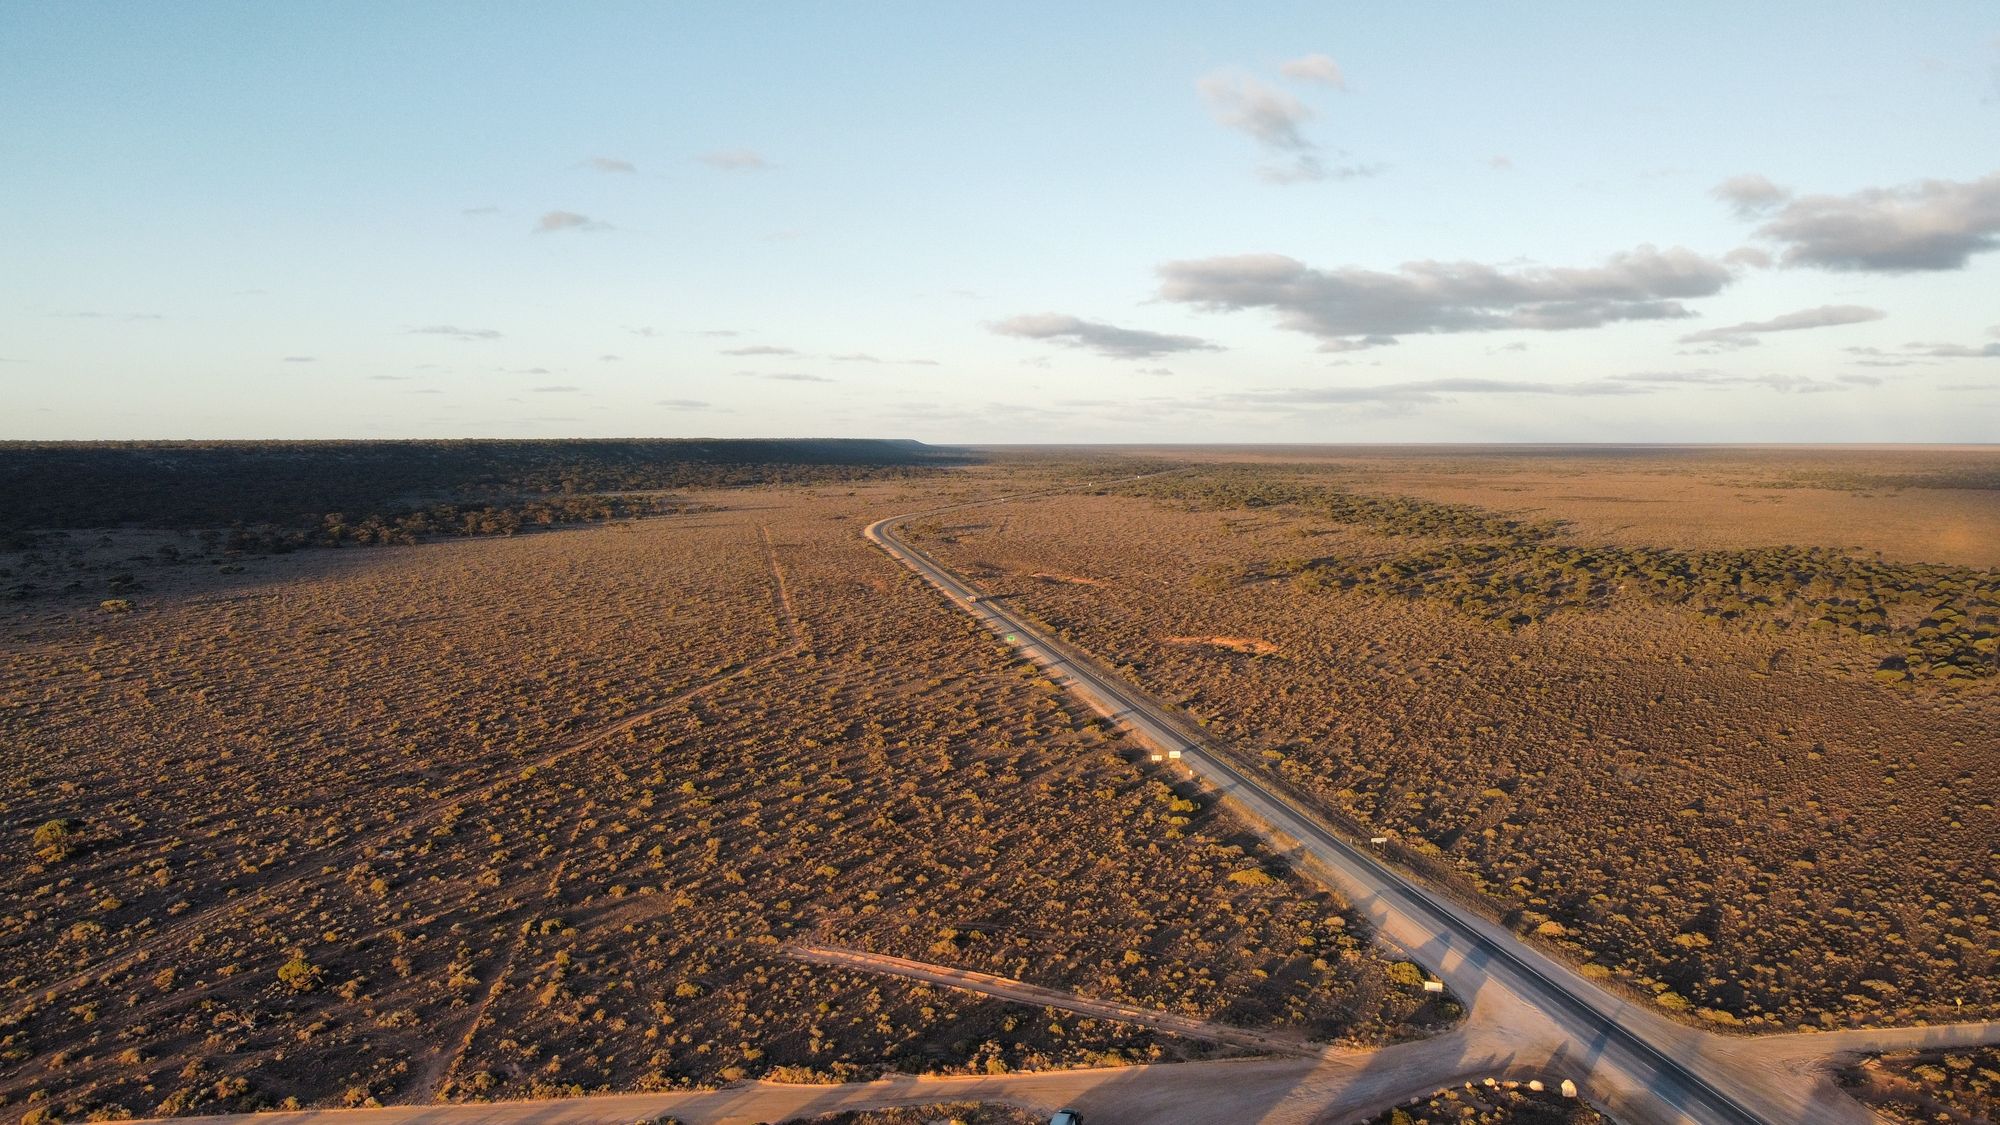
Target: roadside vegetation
point(1922, 1088)
point(1728, 812)
point(1501, 1103)
point(948, 1113)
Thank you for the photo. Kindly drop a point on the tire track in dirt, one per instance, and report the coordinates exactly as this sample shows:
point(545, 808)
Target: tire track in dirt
point(437, 1079)
point(788, 614)
point(312, 864)
point(1006, 988)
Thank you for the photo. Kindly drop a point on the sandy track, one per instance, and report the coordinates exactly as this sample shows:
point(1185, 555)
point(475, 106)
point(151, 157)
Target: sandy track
point(1339, 1087)
point(1267, 1091)
point(1006, 988)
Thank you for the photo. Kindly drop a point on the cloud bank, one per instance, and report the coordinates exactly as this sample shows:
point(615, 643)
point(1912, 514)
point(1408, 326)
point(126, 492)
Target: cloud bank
point(1350, 307)
point(1424, 392)
point(1427, 391)
point(1927, 225)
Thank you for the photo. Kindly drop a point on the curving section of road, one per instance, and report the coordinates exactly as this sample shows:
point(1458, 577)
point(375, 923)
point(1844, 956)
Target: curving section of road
point(1641, 1065)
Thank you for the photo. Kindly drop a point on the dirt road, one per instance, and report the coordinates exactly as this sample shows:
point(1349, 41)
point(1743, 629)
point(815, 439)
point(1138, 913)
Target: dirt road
point(1006, 988)
point(1281, 1091)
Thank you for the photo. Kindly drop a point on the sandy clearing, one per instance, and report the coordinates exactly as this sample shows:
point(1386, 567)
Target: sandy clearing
point(1255, 646)
point(1068, 579)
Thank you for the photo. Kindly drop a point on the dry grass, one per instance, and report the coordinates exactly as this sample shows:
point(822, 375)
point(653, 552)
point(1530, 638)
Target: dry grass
point(529, 816)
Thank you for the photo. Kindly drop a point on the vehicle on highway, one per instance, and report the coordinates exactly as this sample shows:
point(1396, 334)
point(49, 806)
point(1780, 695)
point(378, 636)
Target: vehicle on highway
point(1066, 1117)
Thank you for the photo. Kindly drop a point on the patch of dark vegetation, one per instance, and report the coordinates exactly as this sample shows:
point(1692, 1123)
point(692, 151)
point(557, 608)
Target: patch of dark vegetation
point(1967, 478)
point(1257, 487)
point(297, 485)
point(1945, 620)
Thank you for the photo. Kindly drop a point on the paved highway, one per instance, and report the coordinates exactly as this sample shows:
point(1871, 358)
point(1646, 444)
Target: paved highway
point(1642, 1066)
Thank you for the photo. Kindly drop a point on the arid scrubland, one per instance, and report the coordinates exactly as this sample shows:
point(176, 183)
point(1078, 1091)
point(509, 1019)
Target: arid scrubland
point(1908, 504)
point(1921, 1088)
point(1502, 1103)
point(532, 816)
point(1690, 770)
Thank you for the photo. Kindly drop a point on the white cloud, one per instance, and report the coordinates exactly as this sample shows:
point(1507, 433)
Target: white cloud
point(1717, 380)
point(1315, 68)
point(1271, 116)
point(1744, 334)
point(1425, 391)
point(554, 221)
point(611, 164)
point(735, 160)
point(1307, 167)
point(456, 332)
point(1750, 194)
point(864, 357)
point(1104, 339)
point(1957, 351)
point(1928, 225)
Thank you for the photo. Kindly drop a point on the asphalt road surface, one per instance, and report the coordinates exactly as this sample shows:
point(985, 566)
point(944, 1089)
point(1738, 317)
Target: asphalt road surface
point(1638, 1064)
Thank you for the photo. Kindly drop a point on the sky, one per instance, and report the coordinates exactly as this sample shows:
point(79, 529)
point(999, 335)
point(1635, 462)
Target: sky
point(1104, 222)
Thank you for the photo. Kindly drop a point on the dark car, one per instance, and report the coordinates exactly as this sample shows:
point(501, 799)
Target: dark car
point(1066, 1117)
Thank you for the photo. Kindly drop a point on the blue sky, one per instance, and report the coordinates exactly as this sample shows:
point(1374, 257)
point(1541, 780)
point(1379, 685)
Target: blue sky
point(1104, 222)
